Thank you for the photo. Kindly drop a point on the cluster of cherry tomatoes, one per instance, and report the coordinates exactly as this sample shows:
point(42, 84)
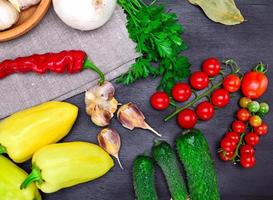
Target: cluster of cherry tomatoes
point(200, 80)
point(245, 133)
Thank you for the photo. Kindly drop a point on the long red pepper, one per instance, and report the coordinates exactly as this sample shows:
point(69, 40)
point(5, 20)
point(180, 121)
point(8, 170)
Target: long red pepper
point(72, 61)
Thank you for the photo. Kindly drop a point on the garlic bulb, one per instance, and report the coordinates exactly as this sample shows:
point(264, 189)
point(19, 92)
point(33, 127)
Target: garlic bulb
point(8, 15)
point(109, 140)
point(23, 4)
point(84, 14)
point(130, 116)
point(101, 104)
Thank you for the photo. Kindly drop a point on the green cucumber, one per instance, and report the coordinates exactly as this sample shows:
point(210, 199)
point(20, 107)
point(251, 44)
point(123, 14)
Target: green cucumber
point(193, 150)
point(166, 159)
point(144, 178)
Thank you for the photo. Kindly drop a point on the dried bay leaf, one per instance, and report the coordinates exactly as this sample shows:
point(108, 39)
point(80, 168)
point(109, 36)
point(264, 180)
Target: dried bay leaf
point(222, 11)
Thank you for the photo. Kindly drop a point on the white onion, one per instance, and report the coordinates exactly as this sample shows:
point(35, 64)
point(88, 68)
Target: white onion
point(84, 14)
point(8, 15)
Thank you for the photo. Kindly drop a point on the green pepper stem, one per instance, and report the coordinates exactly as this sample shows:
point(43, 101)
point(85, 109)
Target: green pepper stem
point(2, 149)
point(89, 65)
point(34, 176)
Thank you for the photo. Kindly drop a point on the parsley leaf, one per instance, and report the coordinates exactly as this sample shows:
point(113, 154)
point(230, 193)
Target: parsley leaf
point(157, 34)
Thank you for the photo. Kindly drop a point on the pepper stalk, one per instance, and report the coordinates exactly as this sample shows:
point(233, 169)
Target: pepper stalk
point(89, 65)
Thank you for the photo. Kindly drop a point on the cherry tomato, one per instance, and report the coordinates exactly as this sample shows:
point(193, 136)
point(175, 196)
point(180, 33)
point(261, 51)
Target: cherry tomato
point(247, 161)
point(243, 115)
point(255, 121)
point(254, 84)
point(205, 111)
point(227, 144)
point(225, 156)
point(252, 139)
point(187, 118)
point(211, 66)
point(233, 136)
point(199, 80)
point(244, 101)
point(253, 106)
point(160, 101)
point(181, 92)
point(264, 108)
point(261, 130)
point(247, 149)
point(238, 126)
point(232, 83)
point(220, 98)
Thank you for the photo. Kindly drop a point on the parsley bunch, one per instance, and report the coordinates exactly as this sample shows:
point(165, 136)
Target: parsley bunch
point(157, 34)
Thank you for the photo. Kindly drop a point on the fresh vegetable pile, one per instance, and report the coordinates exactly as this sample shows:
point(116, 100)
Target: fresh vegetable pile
point(217, 93)
point(157, 34)
point(238, 144)
point(193, 151)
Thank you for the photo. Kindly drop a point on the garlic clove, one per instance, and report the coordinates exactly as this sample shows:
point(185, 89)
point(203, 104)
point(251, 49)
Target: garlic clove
point(101, 117)
point(110, 141)
point(8, 15)
point(106, 91)
point(23, 4)
point(130, 116)
point(101, 104)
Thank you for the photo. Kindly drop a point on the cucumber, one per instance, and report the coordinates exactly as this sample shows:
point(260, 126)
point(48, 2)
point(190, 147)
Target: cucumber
point(144, 178)
point(193, 150)
point(166, 159)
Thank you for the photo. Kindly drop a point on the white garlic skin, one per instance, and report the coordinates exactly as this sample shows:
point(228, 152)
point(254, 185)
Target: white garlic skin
point(8, 15)
point(23, 4)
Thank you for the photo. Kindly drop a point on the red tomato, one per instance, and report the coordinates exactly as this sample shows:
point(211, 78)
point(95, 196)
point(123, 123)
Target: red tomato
point(247, 161)
point(160, 101)
point(211, 66)
point(187, 118)
point(233, 136)
point(232, 83)
point(238, 126)
point(220, 98)
point(254, 84)
point(181, 92)
point(225, 156)
point(247, 149)
point(261, 130)
point(205, 111)
point(252, 139)
point(228, 144)
point(199, 80)
point(243, 115)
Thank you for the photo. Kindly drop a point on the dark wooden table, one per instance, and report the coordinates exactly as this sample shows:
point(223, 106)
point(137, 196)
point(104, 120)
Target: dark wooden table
point(248, 44)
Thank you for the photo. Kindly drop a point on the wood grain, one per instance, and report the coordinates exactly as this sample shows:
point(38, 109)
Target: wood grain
point(28, 19)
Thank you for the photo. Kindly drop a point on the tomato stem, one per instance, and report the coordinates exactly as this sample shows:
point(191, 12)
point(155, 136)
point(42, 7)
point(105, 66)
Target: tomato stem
point(191, 103)
point(236, 153)
point(261, 68)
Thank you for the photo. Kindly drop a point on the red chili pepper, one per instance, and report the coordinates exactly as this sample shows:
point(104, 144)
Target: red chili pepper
point(72, 61)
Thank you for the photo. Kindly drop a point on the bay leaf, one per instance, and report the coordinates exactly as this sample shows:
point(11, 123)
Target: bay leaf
point(222, 11)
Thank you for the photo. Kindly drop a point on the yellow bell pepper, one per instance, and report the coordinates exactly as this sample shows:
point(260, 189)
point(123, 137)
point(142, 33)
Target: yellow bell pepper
point(26, 131)
point(11, 178)
point(62, 165)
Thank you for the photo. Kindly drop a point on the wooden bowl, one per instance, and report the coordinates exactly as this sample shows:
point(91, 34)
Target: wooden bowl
point(28, 19)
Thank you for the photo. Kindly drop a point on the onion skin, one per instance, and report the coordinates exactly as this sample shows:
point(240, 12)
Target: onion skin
point(84, 14)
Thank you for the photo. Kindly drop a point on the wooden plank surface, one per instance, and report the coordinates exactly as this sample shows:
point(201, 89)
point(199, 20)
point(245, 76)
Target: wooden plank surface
point(248, 44)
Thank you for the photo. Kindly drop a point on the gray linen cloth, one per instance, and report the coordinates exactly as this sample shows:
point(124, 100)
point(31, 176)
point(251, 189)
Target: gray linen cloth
point(108, 47)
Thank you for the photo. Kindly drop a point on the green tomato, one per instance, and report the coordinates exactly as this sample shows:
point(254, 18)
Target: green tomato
point(253, 107)
point(264, 108)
